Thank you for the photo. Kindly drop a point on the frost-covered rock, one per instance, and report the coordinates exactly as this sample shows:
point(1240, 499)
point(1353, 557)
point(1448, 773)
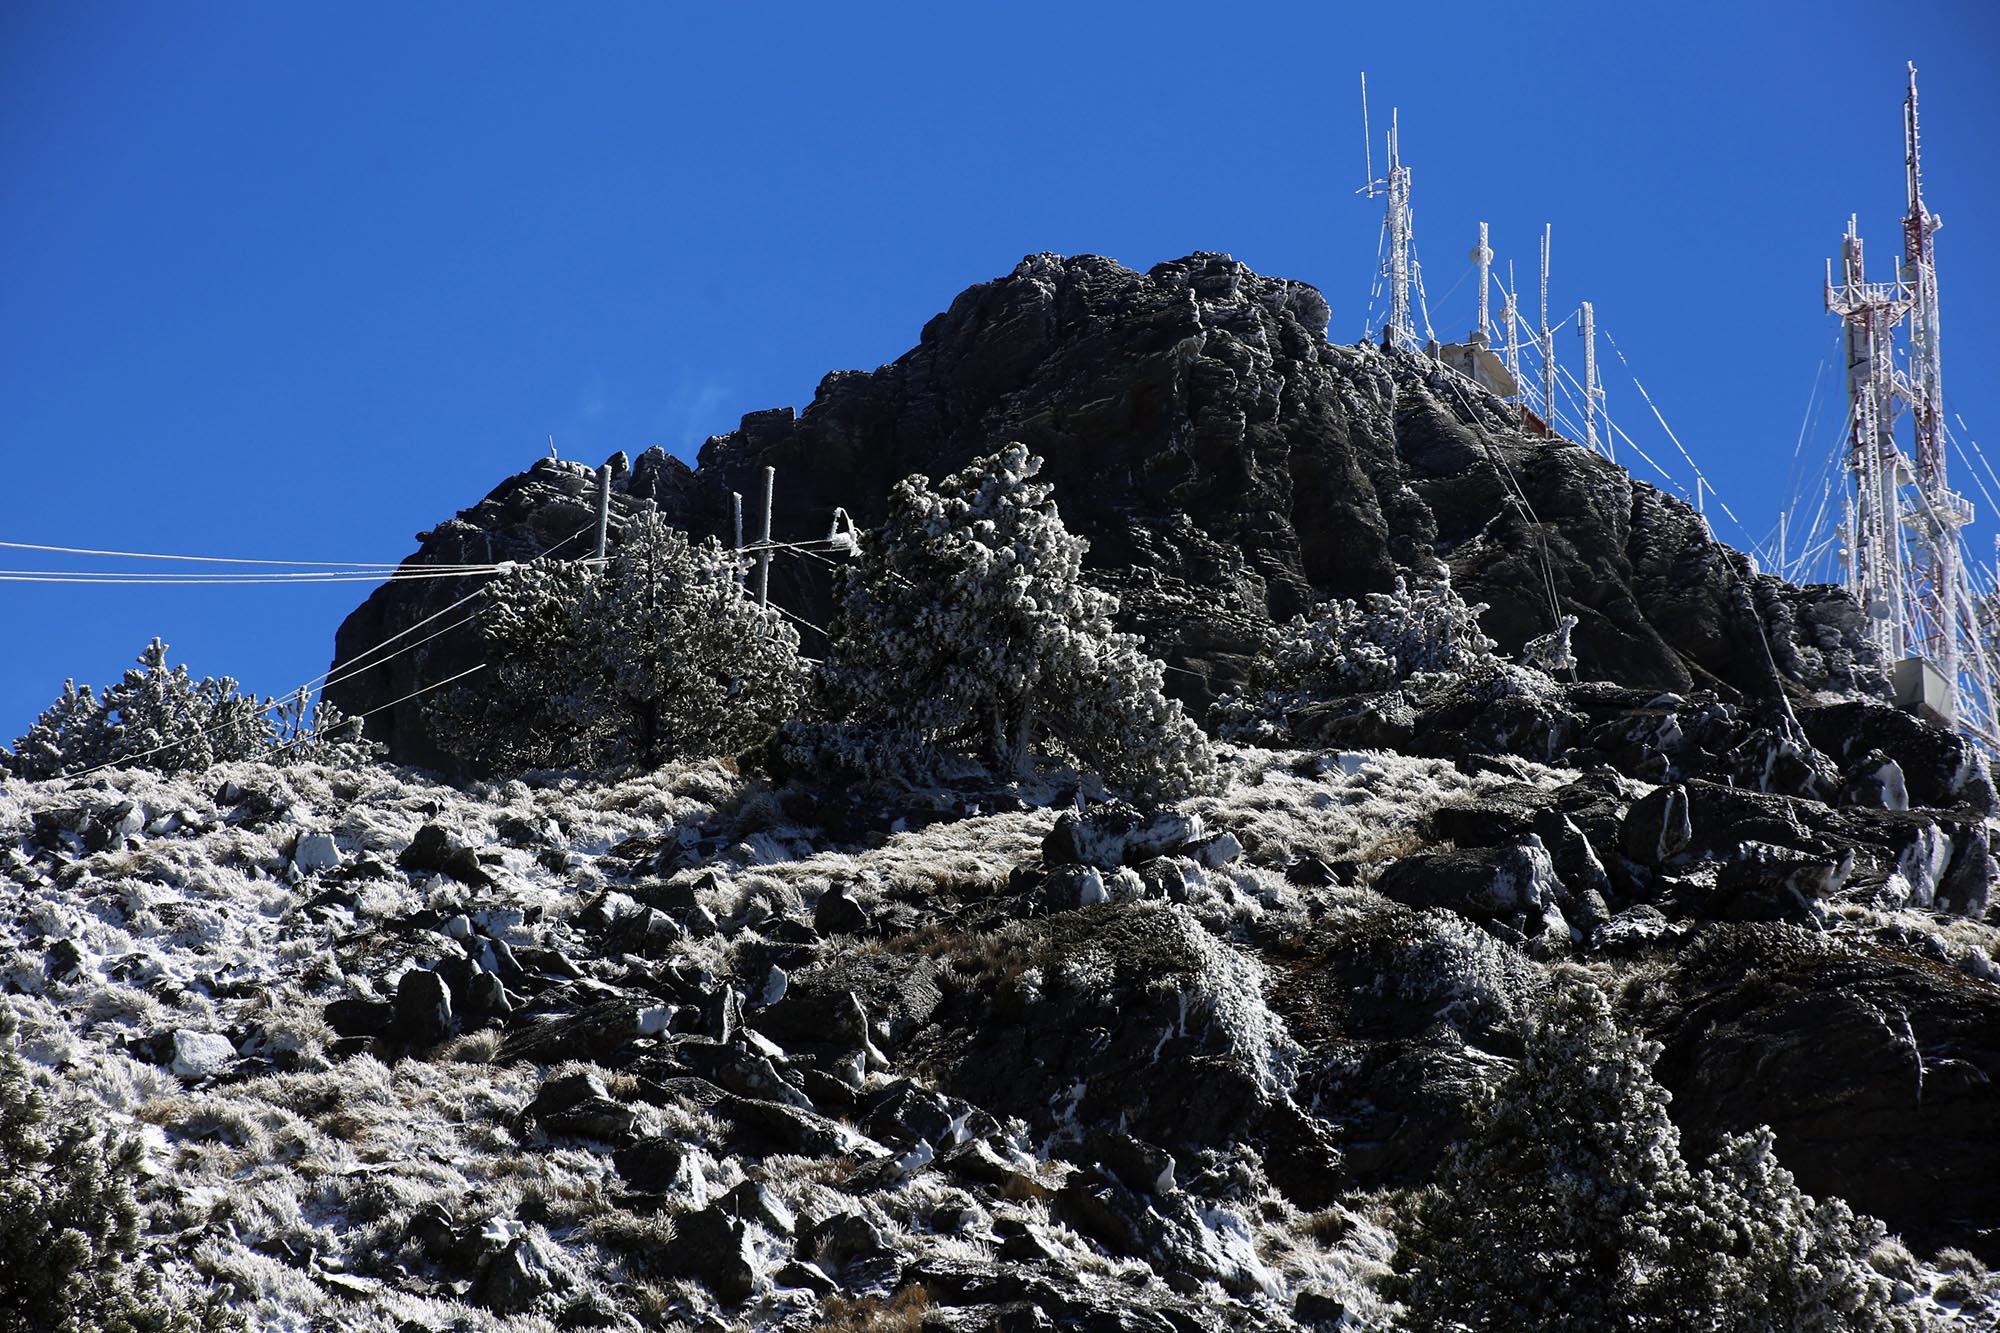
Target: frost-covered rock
point(1115, 834)
point(201, 1055)
point(316, 852)
point(1483, 882)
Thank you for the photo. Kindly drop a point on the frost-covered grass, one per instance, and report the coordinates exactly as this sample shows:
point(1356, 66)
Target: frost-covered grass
point(206, 926)
point(1364, 807)
point(134, 906)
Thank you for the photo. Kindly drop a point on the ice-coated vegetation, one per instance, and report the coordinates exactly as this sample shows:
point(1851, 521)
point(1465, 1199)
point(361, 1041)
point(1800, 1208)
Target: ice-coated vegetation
point(1345, 647)
point(966, 984)
point(1569, 1206)
point(965, 631)
point(161, 718)
point(658, 654)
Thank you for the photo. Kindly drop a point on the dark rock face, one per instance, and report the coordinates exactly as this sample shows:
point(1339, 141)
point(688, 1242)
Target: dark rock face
point(1871, 1065)
point(1228, 464)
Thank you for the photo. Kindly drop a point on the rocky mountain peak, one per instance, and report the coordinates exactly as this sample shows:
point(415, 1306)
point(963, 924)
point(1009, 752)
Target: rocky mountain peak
point(1229, 466)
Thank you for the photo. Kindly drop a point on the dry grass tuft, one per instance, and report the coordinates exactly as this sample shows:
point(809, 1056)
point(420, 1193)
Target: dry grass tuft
point(900, 1313)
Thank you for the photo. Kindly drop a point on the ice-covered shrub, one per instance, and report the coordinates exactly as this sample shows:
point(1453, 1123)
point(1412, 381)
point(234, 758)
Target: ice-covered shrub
point(655, 656)
point(313, 731)
point(157, 717)
point(70, 1258)
point(1570, 1206)
point(965, 630)
point(1348, 647)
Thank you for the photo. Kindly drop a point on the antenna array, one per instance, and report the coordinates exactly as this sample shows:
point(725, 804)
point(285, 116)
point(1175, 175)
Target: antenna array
point(1902, 543)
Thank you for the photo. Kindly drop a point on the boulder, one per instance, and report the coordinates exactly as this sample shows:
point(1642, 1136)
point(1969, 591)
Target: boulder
point(201, 1055)
point(1116, 834)
point(837, 913)
point(713, 1248)
point(316, 852)
point(423, 1014)
point(1481, 882)
point(436, 850)
point(1658, 829)
point(1940, 768)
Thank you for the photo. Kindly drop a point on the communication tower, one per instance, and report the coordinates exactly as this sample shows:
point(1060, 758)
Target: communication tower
point(1902, 542)
point(1399, 259)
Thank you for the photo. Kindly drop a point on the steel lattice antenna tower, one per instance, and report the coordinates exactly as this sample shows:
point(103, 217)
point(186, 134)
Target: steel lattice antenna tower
point(1939, 513)
point(1399, 260)
point(1510, 317)
point(1869, 312)
point(1904, 556)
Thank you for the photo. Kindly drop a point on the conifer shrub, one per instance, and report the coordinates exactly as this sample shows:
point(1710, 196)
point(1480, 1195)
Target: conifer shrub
point(1569, 1206)
point(1346, 647)
point(157, 717)
point(70, 1254)
point(964, 632)
point(655, 656)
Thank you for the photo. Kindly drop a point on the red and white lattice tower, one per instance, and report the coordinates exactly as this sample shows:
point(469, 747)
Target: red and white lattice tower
point(1905, 562)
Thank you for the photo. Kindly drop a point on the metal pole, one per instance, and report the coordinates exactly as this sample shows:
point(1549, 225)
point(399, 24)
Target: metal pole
point(603, 508)
point(1589, 333)
point(764, 556)
point(1482, 255)
point(1548, 339)
point(736, 507)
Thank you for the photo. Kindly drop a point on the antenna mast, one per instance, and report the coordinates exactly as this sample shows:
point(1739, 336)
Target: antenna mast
point(1905, 563)
point(1482, 255)
point(1593, 392)
point(1940, 513)
point(1548, 339)
point(1868, 314)
point(1398, 262)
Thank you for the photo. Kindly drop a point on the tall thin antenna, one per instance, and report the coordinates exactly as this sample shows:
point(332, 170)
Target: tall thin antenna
point(1548, 339)
point(1904, 557)
point(603, 509)
point(764, 554)
point(1367, 137)
point(1943, 511)
point(1593, 393)
point(1399, 260)
point(1510, 316)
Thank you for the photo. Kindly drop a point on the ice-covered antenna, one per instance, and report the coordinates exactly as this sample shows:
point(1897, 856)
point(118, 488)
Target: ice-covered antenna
point(1548, 339)
point(1482, 255)
point(1399, 250)
point(1367, 144)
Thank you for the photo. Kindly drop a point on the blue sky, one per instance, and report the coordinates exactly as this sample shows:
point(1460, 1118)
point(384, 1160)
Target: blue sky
point(296, 281)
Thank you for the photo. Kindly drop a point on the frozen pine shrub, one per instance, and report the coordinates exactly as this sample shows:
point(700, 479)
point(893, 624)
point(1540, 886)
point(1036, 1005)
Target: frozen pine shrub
point(1348, 647)
point(658, 655)
point(1767, 1255)
point(70, 1257)
point(157, 717)
point(1570, 1206)
point(965, 631)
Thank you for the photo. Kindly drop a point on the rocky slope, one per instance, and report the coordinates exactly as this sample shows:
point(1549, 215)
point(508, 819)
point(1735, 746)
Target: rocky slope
point(685, 1050)
point(1228, 464)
